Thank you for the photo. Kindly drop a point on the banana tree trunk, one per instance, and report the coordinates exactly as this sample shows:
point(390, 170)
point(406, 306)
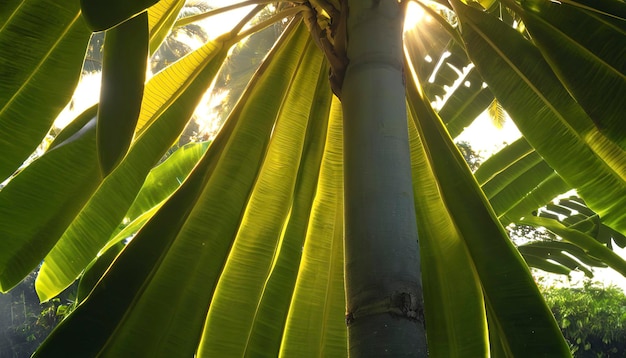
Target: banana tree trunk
point(382, 272)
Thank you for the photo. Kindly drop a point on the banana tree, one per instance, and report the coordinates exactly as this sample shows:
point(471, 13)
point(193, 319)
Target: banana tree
point(332, 214)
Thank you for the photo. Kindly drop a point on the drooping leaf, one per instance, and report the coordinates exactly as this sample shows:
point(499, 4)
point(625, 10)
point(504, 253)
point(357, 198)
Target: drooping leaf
point(582, 240)
point(253, 252)
point(517, 181)
point(43, 44)
point(96, 270)
point(124, 67)
point(315, 324)
point(517, 307)
point(103, 14)
point(165, 178)
point(549, 256)
point(193, 231)
point(467, 102)
point(568, 37)
point(41, 201)
point(169, 100)
point(438, 57)
point(552, 122)
point(574, 214)
point(267, 333)
point(459, 330)
point(161, 18)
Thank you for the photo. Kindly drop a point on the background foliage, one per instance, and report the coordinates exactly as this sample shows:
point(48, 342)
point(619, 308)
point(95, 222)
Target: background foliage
point(592, 318)
point(25, 322)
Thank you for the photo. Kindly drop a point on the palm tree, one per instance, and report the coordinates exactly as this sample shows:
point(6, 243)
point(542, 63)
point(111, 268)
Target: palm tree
point(313, 224)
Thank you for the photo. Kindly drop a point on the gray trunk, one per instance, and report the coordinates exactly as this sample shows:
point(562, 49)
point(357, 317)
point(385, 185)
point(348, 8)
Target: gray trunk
point(383, 285)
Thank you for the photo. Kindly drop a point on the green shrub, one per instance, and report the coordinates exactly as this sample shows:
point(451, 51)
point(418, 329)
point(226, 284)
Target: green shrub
point(592, 318)
point(24, 322)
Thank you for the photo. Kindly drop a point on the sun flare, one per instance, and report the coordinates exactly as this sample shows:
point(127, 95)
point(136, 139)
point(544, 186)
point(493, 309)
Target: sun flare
point(414, 15)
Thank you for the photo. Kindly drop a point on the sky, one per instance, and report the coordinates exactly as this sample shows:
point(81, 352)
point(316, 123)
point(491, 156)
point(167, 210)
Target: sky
point(485, 138)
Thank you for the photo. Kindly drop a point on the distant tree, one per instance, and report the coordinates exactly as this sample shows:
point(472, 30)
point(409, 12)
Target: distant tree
point(592, 319)
point(472, 158)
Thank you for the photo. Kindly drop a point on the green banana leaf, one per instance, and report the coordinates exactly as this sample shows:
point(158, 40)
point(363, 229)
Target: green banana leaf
point(165, 178)
point(500, 178)
point(550, 256)
point(467, 100)
point(52, 191)
point(315, 325)
point(574, 213)
point(161, 18)
point(552, 122)
point(487, 243)
point(561, 33)
point(68, 177)
point(102, 15)
point(210, 219)
point(582, 240)
point(517, 182)
point(162, 181)
point(169, 100)
point(242, 279)
point(520, 187)
point(38, 74)
point(124, 66)
point(449, 280)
